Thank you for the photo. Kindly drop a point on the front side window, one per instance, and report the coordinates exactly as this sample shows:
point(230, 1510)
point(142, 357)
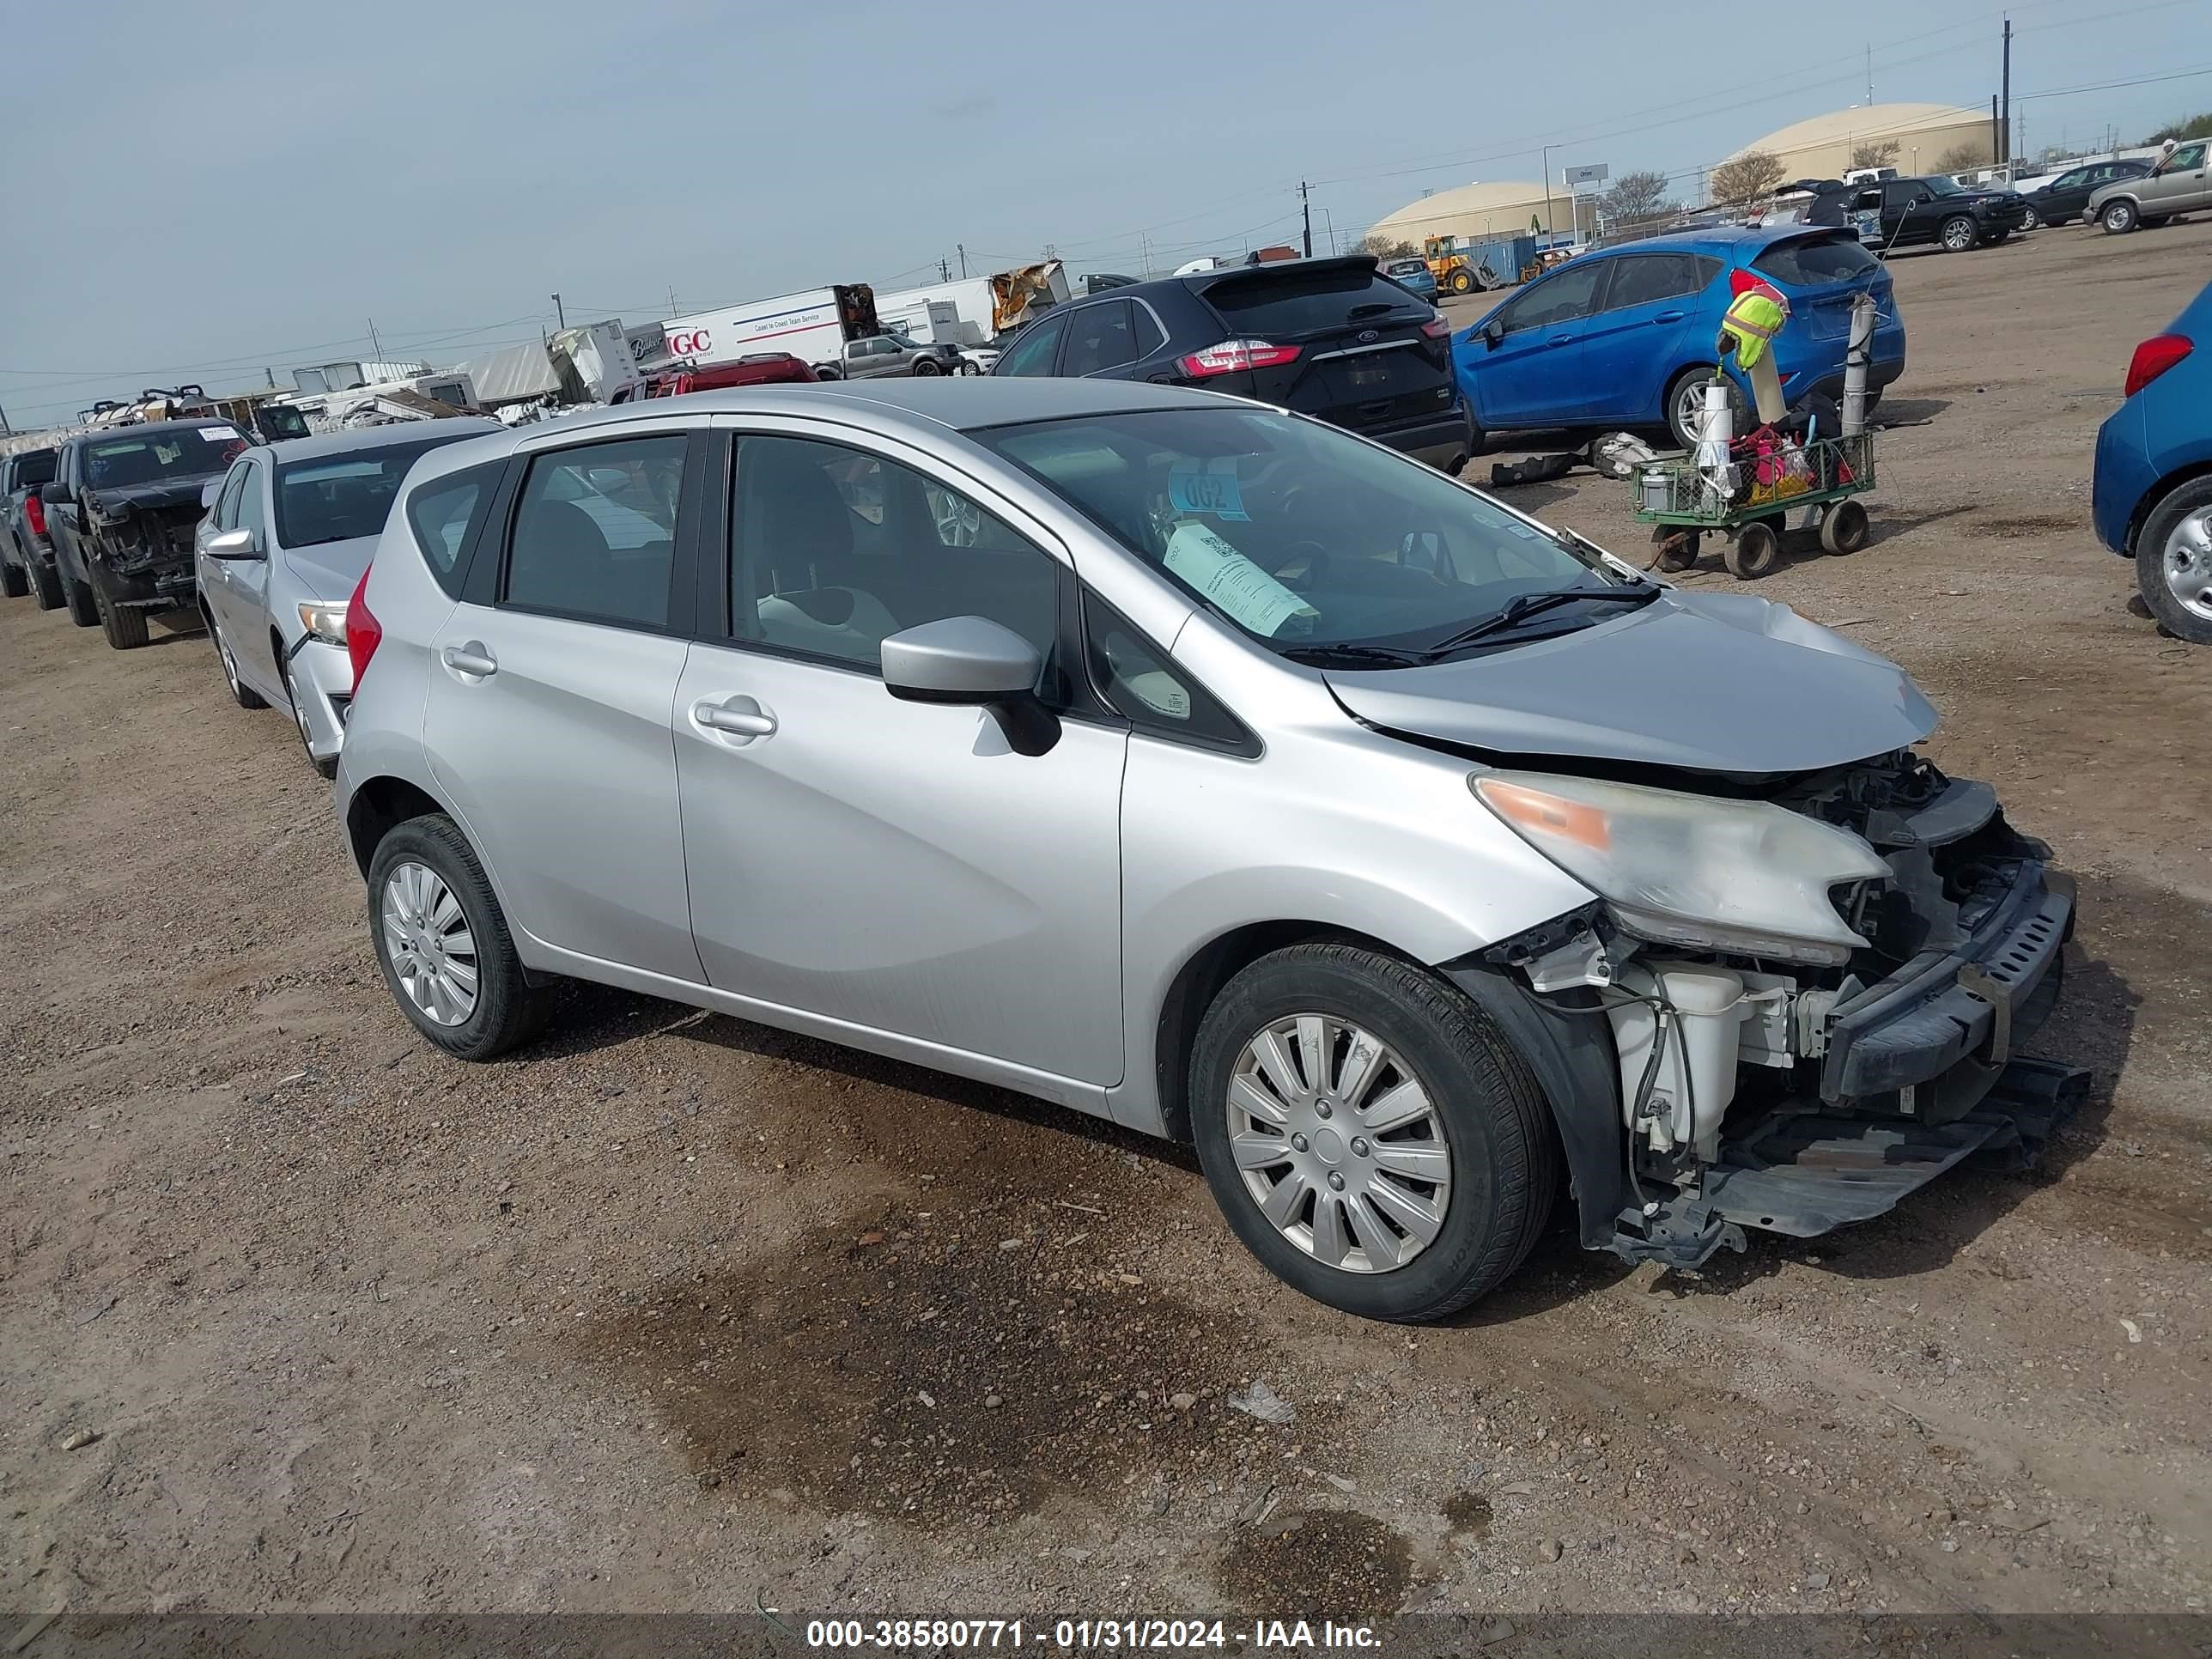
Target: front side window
point(836, 549)
point(250, 515)
point(2186, 159)
point(1143, 685)
point(1031, 354)
point(1561, 299)
point(1318, 546)
point(595, 532)
point(225, 506)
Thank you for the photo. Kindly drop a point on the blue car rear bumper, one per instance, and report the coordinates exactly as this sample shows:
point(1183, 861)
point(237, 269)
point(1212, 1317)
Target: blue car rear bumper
point(2124, 474)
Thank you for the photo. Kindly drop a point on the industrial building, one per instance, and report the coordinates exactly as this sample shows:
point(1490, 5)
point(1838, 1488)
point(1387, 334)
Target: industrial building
point(1473, 212)
point(1925, 134)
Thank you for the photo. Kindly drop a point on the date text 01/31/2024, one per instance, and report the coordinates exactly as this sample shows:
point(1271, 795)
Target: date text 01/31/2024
point(1167, 1635)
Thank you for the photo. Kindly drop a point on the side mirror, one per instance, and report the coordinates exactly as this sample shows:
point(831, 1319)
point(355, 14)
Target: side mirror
point(233, 544)
point(1493, 333)
point(210, 493)
point(973, 662)
point(54, 494)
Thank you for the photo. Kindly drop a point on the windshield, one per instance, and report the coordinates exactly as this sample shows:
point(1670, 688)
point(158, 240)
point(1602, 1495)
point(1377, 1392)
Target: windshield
point(157, 457)
point(337, 498)
point(1308, 540)
point(1943, 186)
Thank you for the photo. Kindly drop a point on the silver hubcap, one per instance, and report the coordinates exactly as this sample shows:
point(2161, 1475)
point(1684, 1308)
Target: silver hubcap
point(426, 935)
point(1957, 236)
point(2189, 563)
point(1338, 1143)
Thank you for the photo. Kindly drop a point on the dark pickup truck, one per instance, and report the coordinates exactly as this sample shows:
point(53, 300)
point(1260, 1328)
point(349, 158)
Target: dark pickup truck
point(26, 557)
point(121, 511)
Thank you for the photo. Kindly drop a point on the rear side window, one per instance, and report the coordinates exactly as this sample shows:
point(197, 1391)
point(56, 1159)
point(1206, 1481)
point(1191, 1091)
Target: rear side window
point(595, 532)
point(1640, 278)
point(1289, 302)
point(1808, 261)
point(444, 511)
point(1099, 337)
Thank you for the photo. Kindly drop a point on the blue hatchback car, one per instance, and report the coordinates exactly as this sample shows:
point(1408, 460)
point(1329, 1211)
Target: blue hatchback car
point(1624, 337)
point(2152, 500)
point(1413, 275)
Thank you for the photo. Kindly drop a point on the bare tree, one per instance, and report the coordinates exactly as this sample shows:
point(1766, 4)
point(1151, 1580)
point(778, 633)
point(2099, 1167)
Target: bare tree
point(1972, 153)
point(1634, 197)
point(1387, 247)
point(1868, 153)
point(1742, 177)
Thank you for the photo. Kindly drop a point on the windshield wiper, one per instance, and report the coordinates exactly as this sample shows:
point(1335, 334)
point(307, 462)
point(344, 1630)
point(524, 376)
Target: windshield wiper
point(1525, 605)
point(1324, 656)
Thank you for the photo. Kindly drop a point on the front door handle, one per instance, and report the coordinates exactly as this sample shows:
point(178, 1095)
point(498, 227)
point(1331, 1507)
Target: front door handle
point(738, 718)
point(1561, 340)
point(471, 657)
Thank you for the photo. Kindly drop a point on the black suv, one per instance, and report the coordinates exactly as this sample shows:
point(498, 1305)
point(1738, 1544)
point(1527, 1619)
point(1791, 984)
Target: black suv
point(121, 511)
point(1329, 337)
point(1939, 210)
point(26, 557)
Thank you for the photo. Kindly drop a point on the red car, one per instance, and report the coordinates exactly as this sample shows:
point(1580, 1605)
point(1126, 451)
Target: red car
point(761, 369)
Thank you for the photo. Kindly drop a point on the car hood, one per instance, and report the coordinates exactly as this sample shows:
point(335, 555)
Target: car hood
point(332, 569)
point(162, 492)
point(1705, 682)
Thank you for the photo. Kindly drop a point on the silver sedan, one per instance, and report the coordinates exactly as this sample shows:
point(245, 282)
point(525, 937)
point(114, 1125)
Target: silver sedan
point(288, 532)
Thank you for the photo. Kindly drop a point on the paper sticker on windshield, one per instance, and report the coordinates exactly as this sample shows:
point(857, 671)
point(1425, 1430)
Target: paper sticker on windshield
point(219, 435)
point(1211, 488)
point(1221, 574)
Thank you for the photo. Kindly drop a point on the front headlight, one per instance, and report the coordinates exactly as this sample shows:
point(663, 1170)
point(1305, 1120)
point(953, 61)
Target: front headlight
point(325, 622)
point(1744, 877)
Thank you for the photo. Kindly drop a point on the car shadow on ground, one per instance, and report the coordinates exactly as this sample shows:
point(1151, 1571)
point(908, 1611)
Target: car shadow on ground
point(1906, 411)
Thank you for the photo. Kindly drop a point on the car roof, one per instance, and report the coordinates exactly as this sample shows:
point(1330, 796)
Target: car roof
point(361, 440)
point(962, 403)
point(135, 428)
point(1715, 239)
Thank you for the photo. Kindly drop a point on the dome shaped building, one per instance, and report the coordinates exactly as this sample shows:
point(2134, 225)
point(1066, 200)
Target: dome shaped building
point(1472, 212)
point(1924, 134)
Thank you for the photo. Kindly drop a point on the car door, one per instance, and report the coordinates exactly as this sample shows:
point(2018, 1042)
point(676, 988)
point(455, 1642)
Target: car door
point(1904, 215)
point(245, 583)
point(2066, 195)
point(2178, 186)
point(63, 517)
point(547, 720)
point(1522, 365)
point(1634, 340)
point(215, 574)
point(1102, 340)
point(884, 867)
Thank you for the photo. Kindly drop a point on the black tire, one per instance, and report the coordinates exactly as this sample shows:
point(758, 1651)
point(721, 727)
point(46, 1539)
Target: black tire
point(1686, 437)
point(84, 609)
point(2154, 579)
point(46, 588)
point(926, 365)
point(329, 767)
point(508, 1009)
point(1673, 547)
point(1843, 527)
point(2032, 220)
point(14, 580)
point(1957, 234)
point(2119, 218)
point(1461, 280)
point(242, 694)
point(124, 625)
point(1492, 1112)
point(1754, 552)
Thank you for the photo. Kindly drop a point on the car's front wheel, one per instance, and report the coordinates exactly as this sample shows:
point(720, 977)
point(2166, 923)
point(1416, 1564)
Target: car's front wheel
point(442, 942)
point(2117, 217)
point(1369, 1133)
point(2031, 221)
point(124, 625)
point(1957, 233)
point(2173, 562)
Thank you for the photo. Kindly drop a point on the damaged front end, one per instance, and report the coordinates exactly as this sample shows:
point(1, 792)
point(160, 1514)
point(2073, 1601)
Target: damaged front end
point(1816, 991)
point(140, 545)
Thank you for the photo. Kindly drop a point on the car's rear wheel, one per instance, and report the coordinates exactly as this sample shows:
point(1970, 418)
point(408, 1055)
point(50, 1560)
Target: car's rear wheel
point(1686, 404)
point(2031, 221)
point(2118, 218)
point(2173, 562)
point(443, 945)
point(926, 365)
point(14, 580)
point(1369, 1133)
point(124, 625)
point(1957, 233)
point(45, 588)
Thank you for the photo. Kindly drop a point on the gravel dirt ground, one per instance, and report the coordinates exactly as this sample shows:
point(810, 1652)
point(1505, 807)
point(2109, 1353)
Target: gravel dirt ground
point(670, 1311)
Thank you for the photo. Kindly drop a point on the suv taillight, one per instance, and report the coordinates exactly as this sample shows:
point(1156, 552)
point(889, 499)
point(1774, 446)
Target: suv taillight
point(1234, 356)
point(2153, 358)
point(363, 632)
point(1437, 327)
point(34, 512)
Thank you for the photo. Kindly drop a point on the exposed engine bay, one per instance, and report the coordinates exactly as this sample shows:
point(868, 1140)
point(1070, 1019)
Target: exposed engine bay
point(1795, 1095)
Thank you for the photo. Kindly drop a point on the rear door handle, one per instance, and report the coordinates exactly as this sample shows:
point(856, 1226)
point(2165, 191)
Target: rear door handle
point(471, 657)
point(1670, 317)
point(738, 718)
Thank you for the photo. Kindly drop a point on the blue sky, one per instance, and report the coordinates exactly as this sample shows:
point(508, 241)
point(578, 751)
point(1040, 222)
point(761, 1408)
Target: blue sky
point(194, 191)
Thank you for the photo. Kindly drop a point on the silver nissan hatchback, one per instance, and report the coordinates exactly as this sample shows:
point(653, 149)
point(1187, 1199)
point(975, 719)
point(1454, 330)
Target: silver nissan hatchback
point(1202, 766)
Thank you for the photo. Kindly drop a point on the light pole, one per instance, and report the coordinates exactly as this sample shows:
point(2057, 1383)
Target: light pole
point(1329, 224)
point(1551, 225)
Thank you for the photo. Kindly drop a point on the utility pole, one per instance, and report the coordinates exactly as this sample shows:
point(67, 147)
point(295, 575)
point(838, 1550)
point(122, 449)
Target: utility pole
point(1869, 61)
point(961, 248)
point(671, 301)
point(375, 350)
point(560, 317)
point(944, 270)
point(5, 429)
point(270, 373)
point(2004, 141)
point(1305, 207)
point(1996, 132)
point(1551, 225)
point(1329, 224)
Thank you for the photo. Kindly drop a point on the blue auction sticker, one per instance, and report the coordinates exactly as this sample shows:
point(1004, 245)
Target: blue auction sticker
point(1211, 488)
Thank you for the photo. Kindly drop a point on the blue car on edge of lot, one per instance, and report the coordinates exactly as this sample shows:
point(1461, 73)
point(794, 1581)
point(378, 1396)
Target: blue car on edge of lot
point(1624, 337)
point(1415, 276)
point(2152, 500)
